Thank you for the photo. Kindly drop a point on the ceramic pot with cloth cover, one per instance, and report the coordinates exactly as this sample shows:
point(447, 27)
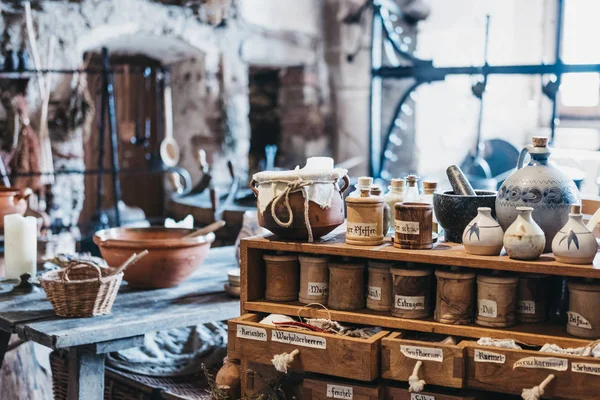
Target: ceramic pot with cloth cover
point(539, 185)
point(301, 204)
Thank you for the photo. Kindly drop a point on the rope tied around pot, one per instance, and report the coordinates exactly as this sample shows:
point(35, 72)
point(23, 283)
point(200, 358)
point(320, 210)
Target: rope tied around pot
point(293, 187)
point(537, 391)
point(282, 361)
point(415, 384)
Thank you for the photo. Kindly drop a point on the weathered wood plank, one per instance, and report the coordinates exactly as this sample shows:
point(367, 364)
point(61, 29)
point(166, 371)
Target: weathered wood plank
point(126, 321)
point(4, 339)
point(86, 375)
point(113, 345)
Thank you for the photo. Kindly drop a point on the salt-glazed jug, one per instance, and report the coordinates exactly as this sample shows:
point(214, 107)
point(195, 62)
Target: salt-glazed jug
point(574, 243)
point(539, 185)
point(483, 235)
point(524, 239)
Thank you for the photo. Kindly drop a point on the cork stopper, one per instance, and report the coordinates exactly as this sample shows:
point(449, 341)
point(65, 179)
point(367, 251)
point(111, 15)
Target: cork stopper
point(397, 183)
point(412, 180)
point(575, 209)
point(365, 181)
point(365, 192)
point(539, 141)
point(375, 190)
point(429, 186)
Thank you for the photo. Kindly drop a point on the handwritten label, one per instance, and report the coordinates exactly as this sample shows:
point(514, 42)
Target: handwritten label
point(488, 357)
point(419, 396)
point(406, 227)
point(410, 302)
point(423, 353)
point(374, 293)
point(317, 289)
point(585, 368)
point(250, 332)
point(487, 308)
point(556, 364)
point(526, 307)
point(578, 320)
point(339, 392)
point(299, 339)
point(361, 229)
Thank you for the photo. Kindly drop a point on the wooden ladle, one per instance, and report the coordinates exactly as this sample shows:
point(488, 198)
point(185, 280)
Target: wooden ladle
point(206, 230)
point(169, 149)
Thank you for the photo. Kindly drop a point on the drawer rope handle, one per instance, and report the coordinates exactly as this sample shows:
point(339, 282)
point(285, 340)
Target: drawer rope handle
point(416, 384)
point(537, 391)
point(282, 361)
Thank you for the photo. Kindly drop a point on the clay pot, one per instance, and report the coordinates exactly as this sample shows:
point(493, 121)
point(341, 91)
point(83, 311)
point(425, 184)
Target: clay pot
point(454, 212)
point(322, 220)
point(483, 236)
point(574, 243)
point(524, 239)
point(13, 201)
point(171, 258)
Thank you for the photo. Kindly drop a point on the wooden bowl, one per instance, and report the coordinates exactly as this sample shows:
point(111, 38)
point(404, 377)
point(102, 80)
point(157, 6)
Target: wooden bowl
point(170, 261)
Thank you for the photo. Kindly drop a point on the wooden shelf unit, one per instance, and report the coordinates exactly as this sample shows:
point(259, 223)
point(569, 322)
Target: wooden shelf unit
point(448, 254)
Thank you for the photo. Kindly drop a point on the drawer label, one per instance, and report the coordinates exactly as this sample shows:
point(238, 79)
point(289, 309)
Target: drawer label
point(361, 229)
point(585, 368)
point(318, 289)
point(374, 293)
point(488, 357)
point(423, 353)
point(299, 339)
point(419, 396)
point(578, 320)
point(339, 392)
point(557, 364)
point(526, 307)
point(406, 227)
point(250, 332)
point(487, 308)
point(410, 302)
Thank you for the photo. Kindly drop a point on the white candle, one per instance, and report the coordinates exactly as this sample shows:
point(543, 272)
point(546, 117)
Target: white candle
point(20, 246)
point(319, 163)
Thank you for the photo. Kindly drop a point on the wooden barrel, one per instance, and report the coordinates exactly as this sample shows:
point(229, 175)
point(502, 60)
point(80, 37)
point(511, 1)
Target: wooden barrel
point(412, 292)
point(413, 226)
point(314, 279)
point(584, 310)
point(455, 297)
point(379, 287)
point(346, 285)
point(496, 301)
point(532, 298)
point(282, 273)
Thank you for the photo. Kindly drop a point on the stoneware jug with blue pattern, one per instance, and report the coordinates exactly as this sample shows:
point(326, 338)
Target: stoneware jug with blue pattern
point(539, 185)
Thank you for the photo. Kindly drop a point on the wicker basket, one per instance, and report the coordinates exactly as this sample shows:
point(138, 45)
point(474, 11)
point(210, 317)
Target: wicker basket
point(82, 289)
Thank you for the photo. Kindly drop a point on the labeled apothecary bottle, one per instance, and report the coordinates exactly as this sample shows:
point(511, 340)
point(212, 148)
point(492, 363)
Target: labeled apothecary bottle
point(380, 286)
point(412, 291)
point(388, 219)
point(365, 219)
point(496, 300)
point(282, 272)
point(364, 182)
point(346, 285)
point(411, 193)
point(429, 188)
point(314, 279)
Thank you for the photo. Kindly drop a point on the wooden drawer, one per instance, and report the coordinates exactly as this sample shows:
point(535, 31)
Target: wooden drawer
point(320, 353)
point(511, 371)
point(254, 376)
point(442, 363)
point(324, 389)
point(400, 393)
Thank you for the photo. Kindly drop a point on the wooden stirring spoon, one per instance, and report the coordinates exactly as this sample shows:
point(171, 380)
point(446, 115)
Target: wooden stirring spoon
point(207, 229)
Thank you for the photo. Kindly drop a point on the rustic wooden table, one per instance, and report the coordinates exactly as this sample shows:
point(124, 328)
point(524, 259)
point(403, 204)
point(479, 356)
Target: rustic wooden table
point(198, 300)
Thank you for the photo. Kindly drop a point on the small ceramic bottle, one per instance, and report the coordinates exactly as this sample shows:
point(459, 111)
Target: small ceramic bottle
point(396, 193)
point(574, 243)
point(429, 188)
point(364, 226)
point(524, 239)
point(483, 235)
point(387, 213)
point(411, 194)
point(364, 182)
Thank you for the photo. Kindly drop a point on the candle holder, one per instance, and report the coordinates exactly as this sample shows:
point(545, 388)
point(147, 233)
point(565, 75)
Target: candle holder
point(25, 286)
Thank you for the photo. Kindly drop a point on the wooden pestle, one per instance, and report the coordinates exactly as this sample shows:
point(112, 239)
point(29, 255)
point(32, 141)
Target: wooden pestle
point(460, 183)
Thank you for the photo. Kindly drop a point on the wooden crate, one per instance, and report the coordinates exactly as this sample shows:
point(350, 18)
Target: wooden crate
point(254, 376)
point(511, 371)
point(401, 393)
point(327, 354)
point(442, 363)
point(323, 389)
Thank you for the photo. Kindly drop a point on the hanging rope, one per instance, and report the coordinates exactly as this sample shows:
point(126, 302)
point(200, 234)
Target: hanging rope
point(537, 391)
point(415, 384)
point(282, 361)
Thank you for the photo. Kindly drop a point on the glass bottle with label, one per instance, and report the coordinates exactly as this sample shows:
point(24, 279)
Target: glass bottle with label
point(429, 187)
point(364, 182)
point(396, 193)
point(411, 194)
